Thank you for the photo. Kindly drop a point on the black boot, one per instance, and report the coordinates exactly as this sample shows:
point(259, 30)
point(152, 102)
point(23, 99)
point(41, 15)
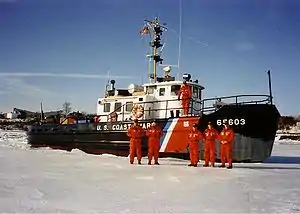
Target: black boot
point(229, 167)
point(222, 166)
point(191, 165)
point(149, 163)
point(205, 165)
point(139, 163)
point(156, 163)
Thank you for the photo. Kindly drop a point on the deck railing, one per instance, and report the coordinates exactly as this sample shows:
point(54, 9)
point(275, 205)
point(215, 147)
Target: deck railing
point(208, 105)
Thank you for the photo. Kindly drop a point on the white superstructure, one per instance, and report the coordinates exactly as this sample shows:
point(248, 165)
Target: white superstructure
point(149, 101)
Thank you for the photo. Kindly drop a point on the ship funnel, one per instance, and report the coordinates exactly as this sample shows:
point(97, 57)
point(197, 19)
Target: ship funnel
point(112, 85)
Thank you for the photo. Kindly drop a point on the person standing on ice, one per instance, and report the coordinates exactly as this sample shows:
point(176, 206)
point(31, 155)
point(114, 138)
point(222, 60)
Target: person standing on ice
point(210, 136)
point(226, 138)
point(194, 137)
point(185, 94)
point(154, 133)
point(135, 132)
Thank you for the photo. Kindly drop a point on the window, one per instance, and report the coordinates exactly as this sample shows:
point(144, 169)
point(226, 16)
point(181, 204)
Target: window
point(106, 107)
point(129, 106)
point(199, 94)
point(118, 107)
point(174, 90)
point(195, 92)
point(150, 89)
point(162, 91)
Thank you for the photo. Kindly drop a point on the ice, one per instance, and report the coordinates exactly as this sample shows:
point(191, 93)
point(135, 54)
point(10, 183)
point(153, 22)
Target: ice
point(54, 181)
point(14, 139)
point(287, 142)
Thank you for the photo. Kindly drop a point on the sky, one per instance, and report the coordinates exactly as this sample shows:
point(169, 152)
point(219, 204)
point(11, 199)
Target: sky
point(53, 51)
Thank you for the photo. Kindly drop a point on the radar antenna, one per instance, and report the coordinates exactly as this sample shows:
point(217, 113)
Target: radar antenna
point(156, 29)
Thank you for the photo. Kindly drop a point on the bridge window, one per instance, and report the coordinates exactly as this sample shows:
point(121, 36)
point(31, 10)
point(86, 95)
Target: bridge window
point(129, 106)
point(118, 106)
point(174, 90)
point(162, 91)
point(150, 89)
point(106, 107)
point(195, 92)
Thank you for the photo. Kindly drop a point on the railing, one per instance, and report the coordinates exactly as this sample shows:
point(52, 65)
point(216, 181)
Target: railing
point(208, 105)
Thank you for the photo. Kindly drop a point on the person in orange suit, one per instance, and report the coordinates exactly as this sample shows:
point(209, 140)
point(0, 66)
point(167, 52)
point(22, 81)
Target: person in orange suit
point(226, 138)
point(135, 132)
point(154, 133)
point(194, 137)
point(210, 136)
point(186, 93)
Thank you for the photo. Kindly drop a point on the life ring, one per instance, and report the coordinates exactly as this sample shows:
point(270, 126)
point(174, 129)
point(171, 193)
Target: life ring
point(113, 116)
point(97, 119)
point(137, 112)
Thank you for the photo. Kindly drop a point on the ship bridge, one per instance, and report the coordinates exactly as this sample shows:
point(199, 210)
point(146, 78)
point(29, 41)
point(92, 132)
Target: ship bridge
point(158, 100)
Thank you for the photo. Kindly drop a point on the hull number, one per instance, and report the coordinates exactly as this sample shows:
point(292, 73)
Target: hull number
point(236, 122)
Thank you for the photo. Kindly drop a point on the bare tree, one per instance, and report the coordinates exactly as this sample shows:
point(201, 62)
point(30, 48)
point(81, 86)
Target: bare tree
point(66, 108)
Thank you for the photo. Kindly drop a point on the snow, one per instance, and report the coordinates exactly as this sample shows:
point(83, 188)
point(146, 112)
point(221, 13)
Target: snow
point(287, 142)
point(13, 139)
point(55, 181)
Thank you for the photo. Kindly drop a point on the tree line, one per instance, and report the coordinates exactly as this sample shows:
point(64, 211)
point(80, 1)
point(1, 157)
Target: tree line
point(286, 122)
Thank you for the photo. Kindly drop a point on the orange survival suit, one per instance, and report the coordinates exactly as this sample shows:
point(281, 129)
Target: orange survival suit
point(186, 93)
point(194, 137)
point(135, 132)
point(154, 133)
point(210, 136)
point(226, 138)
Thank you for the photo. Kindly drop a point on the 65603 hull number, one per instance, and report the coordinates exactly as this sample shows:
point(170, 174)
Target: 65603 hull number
point(236, 122)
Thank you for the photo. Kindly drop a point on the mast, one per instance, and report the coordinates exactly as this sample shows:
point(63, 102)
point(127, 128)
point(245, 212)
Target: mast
point(156, 29)
point(42, 112)
point(270, 86)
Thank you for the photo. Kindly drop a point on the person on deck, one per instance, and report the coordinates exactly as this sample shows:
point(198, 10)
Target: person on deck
point(210, 136)
point(226, 138)
point(194, 137)
point(154, 133)
point(186, 94)
point(135, 132)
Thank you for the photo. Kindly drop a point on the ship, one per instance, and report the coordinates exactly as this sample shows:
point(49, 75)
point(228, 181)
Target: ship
point(254, 118)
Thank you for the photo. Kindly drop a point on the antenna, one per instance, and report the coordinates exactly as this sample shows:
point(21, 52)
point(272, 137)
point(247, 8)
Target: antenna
point(107, 84)
point(180, 27)
point(179, 39)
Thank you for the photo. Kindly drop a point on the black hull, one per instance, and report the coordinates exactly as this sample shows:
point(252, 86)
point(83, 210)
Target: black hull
point(255, 126)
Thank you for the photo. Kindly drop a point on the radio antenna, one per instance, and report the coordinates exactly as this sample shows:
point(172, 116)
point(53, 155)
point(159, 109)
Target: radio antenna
point(179, 39)
point(107, 84)
point(180, 29)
